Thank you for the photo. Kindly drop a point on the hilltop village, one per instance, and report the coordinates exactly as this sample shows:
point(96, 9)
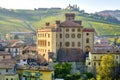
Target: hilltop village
point(66, 42)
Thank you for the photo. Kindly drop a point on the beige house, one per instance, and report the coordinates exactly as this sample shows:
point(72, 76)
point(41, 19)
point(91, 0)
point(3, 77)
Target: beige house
point(66, 35)
point(4, 55)
point(94, 57)
point(7, 67)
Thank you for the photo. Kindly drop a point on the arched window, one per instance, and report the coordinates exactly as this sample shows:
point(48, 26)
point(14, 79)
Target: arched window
point(48, 43)
point(79, 30)
point(60, 35)
point(73, 44)
point(88, 48)
point(87, 40)
point(60, 44)
point(78, 44)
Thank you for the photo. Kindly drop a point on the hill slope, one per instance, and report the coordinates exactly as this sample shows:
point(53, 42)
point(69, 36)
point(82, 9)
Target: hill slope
point(30, 20)
point(114, 13)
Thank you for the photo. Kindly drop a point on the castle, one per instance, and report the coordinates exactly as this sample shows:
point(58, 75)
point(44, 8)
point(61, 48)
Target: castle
point(69, 36)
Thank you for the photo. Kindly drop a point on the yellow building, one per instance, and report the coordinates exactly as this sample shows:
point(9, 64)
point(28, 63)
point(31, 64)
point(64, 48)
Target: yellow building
point(94, 58)
point(66, 35)
point(36, 74)
point(10, 76)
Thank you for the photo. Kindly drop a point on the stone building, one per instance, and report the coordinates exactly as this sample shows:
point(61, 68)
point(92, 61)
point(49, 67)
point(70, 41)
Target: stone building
point(69, 36)
point(94, 58)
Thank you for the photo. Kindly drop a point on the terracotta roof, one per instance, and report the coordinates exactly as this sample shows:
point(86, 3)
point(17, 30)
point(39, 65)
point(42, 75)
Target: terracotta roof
point(4, 53)
point(69, 24)
point(13, 45)
point(39, 68)
point(88, 30)
point(30, 48)
point(105, 50)
point(40, 58)
point(7, 63)
point(70, 55)
point(79, 22)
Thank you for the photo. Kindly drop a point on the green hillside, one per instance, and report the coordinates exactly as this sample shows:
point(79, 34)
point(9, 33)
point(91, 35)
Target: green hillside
point(30, 20)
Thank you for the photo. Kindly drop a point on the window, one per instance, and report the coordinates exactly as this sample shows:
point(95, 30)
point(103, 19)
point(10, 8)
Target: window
point(94, 63)
point(88, 48)
point(24, 59)
point(67, 35)
point(67, 30)
point(73, 30)
point(8, 49)
point(48, 43)
point(87, 34)
point(6, 70)
point(67, 44)
point(48, 35)
point(73, 44)
point(3, 56)
point(89, 63)
point(16, 50)
point(94, 57)
point(78, 44)
point(87, 40)
point(78, 30)
point(60, 44)
point(73, 35)
point(45, 34)
point(6, 78)
point(79, 35)
point(43, 55)
point(116, 57)
point(60, 30)
point(60, 35)
point(99, 63)
point(48, 50)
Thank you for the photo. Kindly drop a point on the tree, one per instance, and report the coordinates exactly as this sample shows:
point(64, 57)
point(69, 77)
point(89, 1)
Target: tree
point(73, 76)
point(105, 70)
point(62, 70)
point(89, 75)
point(118, 41)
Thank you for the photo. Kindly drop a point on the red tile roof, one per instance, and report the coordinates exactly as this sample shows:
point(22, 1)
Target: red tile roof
point(4, 53)
point(88, 30)
point(69, 24)
point(30, 48)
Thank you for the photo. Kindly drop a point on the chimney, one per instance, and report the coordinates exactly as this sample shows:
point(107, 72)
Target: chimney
point(57, 22)
point(47, 23)
point(70, 16)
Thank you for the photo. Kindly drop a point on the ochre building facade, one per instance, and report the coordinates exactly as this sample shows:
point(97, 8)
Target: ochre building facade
point(67, 35)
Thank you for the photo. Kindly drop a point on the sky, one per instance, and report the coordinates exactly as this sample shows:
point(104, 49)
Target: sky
point(89, 6)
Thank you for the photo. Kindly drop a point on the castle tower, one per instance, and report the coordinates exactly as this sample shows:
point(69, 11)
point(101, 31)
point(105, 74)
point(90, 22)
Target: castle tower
point(70, 16)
